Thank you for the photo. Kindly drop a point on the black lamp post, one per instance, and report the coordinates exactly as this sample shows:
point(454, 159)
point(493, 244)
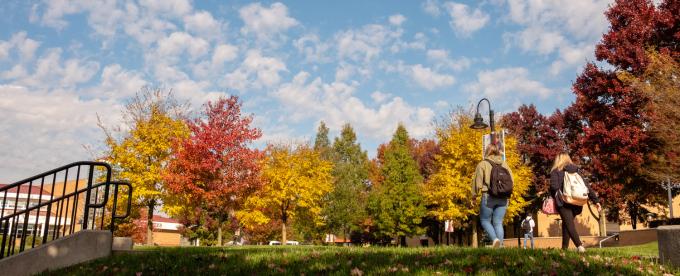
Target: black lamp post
point(479, 121)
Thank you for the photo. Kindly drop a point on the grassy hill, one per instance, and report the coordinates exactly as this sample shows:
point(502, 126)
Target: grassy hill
point(314, 260)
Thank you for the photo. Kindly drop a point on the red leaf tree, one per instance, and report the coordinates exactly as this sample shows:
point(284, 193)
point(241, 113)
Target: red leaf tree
point(609, 122)
point(608, 118)
point(214, 169)
point(539, 140)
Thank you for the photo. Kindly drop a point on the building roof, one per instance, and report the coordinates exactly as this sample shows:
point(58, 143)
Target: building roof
point(23, 189)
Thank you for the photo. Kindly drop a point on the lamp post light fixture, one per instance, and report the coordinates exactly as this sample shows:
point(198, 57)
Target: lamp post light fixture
point(479, 121)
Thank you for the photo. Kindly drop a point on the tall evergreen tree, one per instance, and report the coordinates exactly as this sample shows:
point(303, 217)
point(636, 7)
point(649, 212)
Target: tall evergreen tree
point(347, 202)
point(397, 206)
point(322, 144)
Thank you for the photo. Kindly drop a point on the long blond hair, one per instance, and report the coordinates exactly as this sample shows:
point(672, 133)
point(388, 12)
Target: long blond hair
point(561, 161)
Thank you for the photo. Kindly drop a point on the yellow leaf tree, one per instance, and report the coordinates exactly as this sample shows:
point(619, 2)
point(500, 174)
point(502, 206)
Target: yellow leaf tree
point(295, 180)
point(153, 119)
point(448, 191)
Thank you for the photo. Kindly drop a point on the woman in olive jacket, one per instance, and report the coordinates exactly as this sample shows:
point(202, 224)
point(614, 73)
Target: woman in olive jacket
point(568, 212)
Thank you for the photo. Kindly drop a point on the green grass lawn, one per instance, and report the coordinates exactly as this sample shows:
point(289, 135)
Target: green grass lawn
point(315, 260)
point(650, 250)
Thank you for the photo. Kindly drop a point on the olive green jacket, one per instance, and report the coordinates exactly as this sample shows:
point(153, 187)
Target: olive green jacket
point(480, 183)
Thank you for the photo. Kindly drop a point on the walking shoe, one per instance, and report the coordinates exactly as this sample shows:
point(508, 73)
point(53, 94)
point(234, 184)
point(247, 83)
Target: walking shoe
point(581, 249)
point(496, 243)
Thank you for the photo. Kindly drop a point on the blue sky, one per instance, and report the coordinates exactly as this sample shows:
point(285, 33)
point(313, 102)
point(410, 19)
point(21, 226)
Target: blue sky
point(372, 64)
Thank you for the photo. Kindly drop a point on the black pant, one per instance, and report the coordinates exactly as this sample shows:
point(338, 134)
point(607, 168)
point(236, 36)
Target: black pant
point(568, 226)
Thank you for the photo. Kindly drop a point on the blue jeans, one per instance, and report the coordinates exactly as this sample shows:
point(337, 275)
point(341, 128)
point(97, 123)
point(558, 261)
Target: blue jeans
point(529, 235)
point(491, 213)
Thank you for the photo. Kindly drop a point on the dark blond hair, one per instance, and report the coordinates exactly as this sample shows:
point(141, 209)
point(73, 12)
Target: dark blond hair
point(492, 149)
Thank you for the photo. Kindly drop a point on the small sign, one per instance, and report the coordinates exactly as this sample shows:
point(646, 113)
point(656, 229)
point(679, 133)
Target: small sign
point(486, 140)
point(448, 226)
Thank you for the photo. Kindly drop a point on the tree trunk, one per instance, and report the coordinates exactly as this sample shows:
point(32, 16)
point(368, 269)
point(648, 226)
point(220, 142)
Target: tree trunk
point(149, 222)
point(474, 234)
point(633, 215)
point(344, 236)
point(219, 233)
point(283, 233)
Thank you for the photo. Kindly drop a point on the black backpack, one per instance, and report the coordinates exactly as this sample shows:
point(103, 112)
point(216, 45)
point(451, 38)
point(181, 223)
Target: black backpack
point(526, 225)
point(501, 181)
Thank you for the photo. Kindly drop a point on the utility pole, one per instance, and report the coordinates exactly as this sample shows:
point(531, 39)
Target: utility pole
point(669, 187)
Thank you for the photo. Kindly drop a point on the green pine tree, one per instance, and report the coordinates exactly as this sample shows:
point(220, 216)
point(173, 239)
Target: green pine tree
point(347, 202)
point(322, 144)
point(397, 206)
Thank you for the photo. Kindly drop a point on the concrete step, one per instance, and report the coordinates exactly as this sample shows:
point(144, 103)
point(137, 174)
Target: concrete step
point(80, 247)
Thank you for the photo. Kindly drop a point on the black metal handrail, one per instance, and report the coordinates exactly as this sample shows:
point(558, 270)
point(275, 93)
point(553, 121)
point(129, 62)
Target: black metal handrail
point(57, 216)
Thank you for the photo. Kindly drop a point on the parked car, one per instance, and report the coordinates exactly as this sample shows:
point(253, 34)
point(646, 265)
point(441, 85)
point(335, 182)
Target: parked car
point(287, 243)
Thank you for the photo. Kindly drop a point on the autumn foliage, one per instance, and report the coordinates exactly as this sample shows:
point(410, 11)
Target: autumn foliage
point(215, 168)
point(295, 180)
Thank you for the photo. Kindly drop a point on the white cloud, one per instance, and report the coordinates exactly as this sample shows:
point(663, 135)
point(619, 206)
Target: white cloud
point(418, 43)
point(118, 83)
point(4, 49)
point(536, 38)
point(397, 19)
point(572, 56)
point(23, 45)
point(41, 130)
point(335, 104)
point(380, 97)
point(583, 19)
point(465, 21)
point(505, 82)
point(265, 23)
point(431, 7)
point(565, 28)
point(313, 49)
point(441, 59)
point(256, 71)
point(224, 53)
point(56, 10)
point(422, 76)
point(429, 79)
point(172, 7)
point(51, 72)
point(17, 71)
point(441, 104)
point(365, 44)
point(203, 24)
point(344, 71)
point(166, 73)
point(170, 48)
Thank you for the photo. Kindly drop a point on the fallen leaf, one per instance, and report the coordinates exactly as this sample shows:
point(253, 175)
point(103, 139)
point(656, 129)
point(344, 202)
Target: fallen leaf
point(357, 272)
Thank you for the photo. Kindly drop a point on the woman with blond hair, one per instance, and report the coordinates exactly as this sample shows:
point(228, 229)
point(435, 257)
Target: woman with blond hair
point(568, 212)
point(492, 209)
